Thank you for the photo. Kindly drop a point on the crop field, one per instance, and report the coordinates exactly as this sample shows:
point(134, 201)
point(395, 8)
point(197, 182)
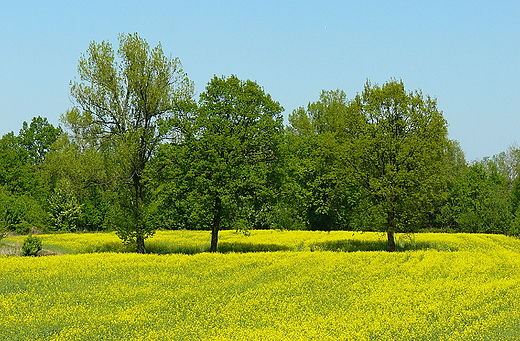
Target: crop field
point(439, 287)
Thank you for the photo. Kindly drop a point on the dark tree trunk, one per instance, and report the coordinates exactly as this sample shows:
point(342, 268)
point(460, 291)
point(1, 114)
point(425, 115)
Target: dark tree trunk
point(390, 228)
point(391, 241)
point(140, 244)
point(217, 216)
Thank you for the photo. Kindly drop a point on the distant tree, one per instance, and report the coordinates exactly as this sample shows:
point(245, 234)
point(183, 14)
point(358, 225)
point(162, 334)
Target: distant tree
point(317, 179)
point(508, 164)
point(37, 138)
point(397, 154)
point(22, 190)
point(20, 212)
point(64, 207)
point(15, 171)
point(455, 166)
point(480, 201)
point(79, 174)
point(127, 107)
point(223, 171)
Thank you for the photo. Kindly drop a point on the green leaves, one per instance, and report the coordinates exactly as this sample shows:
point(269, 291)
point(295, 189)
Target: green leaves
point(31, 246)
point(128, 103)
point(223, 169)
point(64, 207)
point(380, 155)
point(38, 137)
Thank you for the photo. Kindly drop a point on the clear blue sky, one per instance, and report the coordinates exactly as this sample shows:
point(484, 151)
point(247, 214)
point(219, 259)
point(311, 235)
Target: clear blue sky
point(464, 53)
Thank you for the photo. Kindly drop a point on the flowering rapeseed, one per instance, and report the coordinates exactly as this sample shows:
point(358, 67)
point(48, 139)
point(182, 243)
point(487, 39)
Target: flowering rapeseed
point(414, 295)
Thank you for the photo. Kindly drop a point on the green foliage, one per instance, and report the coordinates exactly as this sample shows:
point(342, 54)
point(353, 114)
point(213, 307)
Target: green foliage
point(318, 186)
point(20, 213)
point(31, 246)
point(64, 208)
point(479, 200)
point(22, 190)
point(127, 103)
point(224, 171)
point(397, 154)
point(16, 174)
point(78, 182)
point(37, 138)
point(3, 229)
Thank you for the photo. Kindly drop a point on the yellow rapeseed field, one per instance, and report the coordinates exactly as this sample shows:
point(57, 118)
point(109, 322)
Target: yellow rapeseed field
point(445, 287)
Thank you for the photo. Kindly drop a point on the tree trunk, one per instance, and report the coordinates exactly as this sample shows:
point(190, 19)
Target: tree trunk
point(216, 224)
point(140, 244)
point(391, 241)
point(390, 228)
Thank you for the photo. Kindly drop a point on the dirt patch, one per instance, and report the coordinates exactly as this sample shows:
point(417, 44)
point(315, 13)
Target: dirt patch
point(49, 253)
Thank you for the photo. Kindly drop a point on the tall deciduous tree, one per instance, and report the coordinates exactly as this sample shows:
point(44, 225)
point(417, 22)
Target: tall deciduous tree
point(128, 102)
point(228, 160)
point(398, 154)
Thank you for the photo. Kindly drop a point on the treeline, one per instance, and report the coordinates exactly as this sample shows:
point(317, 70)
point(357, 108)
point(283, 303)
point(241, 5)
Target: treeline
point(137, 153)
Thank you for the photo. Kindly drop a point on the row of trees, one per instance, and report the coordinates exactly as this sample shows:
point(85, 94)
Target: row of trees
point(138, 153)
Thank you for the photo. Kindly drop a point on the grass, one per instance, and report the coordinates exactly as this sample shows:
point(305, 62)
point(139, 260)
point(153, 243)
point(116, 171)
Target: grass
point(11, 249)
point(439, 287)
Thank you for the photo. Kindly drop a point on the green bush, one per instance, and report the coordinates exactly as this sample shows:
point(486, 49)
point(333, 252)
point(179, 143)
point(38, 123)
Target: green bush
point(31, 246)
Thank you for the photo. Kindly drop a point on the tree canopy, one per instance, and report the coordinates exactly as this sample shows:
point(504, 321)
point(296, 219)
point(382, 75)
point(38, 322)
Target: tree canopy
point(398, 154)
point(137, 152)
point(129, 106)
point(229, 154)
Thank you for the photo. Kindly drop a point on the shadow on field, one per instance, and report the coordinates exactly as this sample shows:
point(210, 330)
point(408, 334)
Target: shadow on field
point(166, 247)
point(353, 245)
point(344, 245)
point(251, 247)
point(223, 247)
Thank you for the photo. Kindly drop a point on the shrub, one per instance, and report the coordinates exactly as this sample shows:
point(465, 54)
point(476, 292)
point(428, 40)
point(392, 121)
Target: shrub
point(31, 246)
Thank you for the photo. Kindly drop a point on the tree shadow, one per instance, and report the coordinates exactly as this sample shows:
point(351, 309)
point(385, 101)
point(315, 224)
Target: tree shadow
point(343, 245)
point(226, 247)
point(354, 245)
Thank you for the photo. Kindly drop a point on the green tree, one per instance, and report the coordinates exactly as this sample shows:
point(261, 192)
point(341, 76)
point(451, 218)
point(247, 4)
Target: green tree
point(37, 138)
point(317, 180)
point(20, 212)
point(483, 196)
point(224, 170)
point(80, 174)
point(508, 164)
point(127, 104)
point(480, 201)
point(397, 154)
point(64, 207)
point(455, 166)
point(15, 172)
point(22, 190)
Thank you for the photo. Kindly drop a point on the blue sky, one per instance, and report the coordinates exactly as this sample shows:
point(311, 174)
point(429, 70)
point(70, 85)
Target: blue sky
point(464, 53)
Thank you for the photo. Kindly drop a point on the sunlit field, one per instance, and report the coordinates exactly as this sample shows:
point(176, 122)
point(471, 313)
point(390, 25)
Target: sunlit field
point(439, 287)
point(192, 242)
